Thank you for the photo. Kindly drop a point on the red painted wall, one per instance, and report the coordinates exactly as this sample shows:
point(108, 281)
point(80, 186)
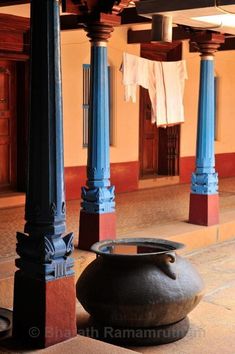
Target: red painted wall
point(187, 166)
point(124, 176)
point(224, 164)
point(75, 178)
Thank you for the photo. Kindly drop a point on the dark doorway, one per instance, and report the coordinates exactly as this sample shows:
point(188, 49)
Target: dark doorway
point(148, 136)
point(159, 147)
point(8, 132)
point(13, 125)
point(22, 109)
point(14, 98)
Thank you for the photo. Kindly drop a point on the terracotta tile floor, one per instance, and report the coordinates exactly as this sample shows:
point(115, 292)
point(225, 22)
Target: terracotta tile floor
point(135, 211)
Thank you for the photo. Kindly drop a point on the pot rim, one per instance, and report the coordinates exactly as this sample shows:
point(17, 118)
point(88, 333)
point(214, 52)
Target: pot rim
point(170, 246)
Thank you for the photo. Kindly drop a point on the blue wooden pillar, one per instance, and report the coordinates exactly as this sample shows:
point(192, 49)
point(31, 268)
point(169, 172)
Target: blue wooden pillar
point(44, 291)
point(97, 216)
point(204, 200)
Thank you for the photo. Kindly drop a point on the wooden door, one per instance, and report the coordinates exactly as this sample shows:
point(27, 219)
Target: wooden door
point(149, 137)
point(7, 125)
point(148, 131)
point(159, 147)
point(169, 141)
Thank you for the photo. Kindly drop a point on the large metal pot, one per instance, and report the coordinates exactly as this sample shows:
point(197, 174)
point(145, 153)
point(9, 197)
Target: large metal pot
point(139, 283)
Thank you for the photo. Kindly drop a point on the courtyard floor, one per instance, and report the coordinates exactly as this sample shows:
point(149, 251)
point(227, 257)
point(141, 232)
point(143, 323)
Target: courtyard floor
point(137, 212)
point(158, 212)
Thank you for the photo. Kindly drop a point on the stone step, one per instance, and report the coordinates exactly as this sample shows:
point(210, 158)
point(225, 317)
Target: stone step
point(159, 181)
point(76, 345)
point(193, 236)
point(84, 345)
point(9, 200)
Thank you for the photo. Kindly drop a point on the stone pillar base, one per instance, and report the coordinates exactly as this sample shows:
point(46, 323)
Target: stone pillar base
point(204, 209)
point(96, 227)
point(44, 311)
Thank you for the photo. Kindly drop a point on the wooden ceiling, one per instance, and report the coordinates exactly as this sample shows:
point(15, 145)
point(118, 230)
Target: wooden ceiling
point(148, 7)
point(70, 21)
point(187, 12)
point(129, 16)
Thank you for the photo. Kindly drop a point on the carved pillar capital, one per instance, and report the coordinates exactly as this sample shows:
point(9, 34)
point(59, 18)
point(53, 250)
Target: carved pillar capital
point(98, 31)
point(207, 43)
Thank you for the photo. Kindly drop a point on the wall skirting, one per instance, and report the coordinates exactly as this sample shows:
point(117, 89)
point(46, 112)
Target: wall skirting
point(124, 176)
point(187, 166)
point(224, 164)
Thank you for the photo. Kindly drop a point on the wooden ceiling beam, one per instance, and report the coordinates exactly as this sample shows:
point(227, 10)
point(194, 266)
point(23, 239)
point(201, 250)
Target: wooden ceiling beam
point(229, 44)
point(144, 36)
point(127, 16)
point(130, 16)
point(13, 23)
point(138, 36)
point(179, 33)
point(13, 2)
point(69, 22)
point(159, 6)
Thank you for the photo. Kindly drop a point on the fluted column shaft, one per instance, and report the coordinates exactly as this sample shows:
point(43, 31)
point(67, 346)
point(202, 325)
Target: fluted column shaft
point(45, 272)
point(45, 200)
point(99, 196)
point(45, 203)
point(205, 179)
point(98, 206)
point(204, 200)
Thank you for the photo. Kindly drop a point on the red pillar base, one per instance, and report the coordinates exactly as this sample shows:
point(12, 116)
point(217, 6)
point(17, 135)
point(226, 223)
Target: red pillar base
point(44, 311)
point(204, 209)
point(95, 227)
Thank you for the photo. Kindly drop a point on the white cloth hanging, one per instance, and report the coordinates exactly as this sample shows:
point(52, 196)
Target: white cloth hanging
point(135, 72)
point(157, 93)
point(174, 74)
point(165, 83)
point(166, 91)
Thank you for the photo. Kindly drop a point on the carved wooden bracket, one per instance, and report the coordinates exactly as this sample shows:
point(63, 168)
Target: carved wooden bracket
point(207, 43)
point(98, 31)
point(96, 10)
